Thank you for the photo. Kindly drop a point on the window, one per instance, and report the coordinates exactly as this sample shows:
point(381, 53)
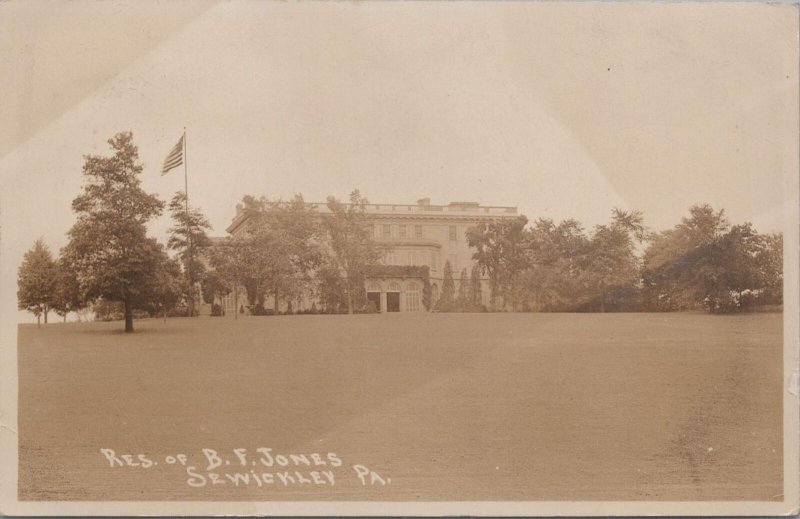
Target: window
point(453, 233)
point(418, 231)
point(433, 261)
point(412, 297)
point(389, 260)
point(402, 231)
point(373, 287)
point(393, 287)
point(387, 231)
point(412, 258)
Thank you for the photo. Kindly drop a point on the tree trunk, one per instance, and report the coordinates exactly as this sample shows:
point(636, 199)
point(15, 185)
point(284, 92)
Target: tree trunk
point(235, 303)
point(191, 301)
point(65, 317)
point(39, 320)
point(46, 311)
point(128, 316)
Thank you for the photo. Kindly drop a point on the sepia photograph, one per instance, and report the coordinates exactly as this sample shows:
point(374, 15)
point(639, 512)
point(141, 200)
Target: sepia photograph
point(399, 258)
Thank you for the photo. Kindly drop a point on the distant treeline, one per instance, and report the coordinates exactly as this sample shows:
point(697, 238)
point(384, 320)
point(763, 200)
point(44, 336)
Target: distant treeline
point(289, 252)
point(703, 262)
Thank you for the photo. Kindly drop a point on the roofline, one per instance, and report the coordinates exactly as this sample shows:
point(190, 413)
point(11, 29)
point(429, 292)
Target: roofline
point(414, 212)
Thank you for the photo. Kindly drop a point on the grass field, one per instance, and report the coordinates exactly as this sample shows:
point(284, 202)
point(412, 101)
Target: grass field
point(447, 406)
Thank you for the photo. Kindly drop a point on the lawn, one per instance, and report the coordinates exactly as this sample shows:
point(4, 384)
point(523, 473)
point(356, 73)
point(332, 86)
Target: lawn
point(439, 406)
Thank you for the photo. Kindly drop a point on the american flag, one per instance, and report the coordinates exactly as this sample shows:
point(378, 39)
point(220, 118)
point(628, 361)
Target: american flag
point(175, 157)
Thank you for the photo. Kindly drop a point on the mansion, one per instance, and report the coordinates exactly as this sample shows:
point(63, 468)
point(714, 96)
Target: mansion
point(416, 235)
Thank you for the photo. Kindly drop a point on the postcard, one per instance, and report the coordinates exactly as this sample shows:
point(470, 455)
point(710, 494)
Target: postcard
point(399, 258)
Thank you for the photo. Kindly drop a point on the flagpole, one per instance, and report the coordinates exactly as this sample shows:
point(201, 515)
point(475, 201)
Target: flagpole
point(188, 226)
point(185, 173)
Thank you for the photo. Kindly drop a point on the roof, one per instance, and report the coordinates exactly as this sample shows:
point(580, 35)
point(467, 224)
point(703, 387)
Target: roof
point(470, 211)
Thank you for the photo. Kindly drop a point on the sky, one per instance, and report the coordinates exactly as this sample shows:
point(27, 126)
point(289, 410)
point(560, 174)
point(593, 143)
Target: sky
point(562, 110)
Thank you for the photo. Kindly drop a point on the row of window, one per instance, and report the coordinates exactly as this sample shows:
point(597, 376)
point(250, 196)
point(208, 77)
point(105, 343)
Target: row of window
point(408, 231)
point(419, 258)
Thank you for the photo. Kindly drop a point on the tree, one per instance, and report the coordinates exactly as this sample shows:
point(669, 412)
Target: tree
point(213, 286)
point(331, 289)
point(282, 241)
point(168, 287)
point(297, 254)
point(737, 262)
point(612, 263)
point(462, 301)
point(68, 297)
point(109, 249)
point(475, 296)
point(188, 237)
point(678, 261)
point(556, 279)
point(427, 291)
point(705, 262)
point(770, 264)
point(233, 268)
point(37, 281)
point(500, 252)
point(351, 245)
point(446, 299)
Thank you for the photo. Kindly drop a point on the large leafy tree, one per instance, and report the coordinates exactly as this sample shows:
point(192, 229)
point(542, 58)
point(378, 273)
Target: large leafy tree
point(734, 262)
point(613, 266)
point(679, 261)
point(704, 261)
point(189, 239)
point(109, 249)
point(299, 233)
point(352, 247)
point(168, 288)
point(282, 243)
point(556, 279)
point(37, 281)
point(68, 297)
point(331, 288)
point(233, 267)
point(501, 252)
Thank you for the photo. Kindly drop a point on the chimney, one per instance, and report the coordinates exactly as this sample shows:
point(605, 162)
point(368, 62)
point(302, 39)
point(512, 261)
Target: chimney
point(424, 202)
point(239, 210)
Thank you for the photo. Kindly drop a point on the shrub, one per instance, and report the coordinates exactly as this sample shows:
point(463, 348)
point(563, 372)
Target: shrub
point(178, 311)
point(216, 310)
point(260, 310)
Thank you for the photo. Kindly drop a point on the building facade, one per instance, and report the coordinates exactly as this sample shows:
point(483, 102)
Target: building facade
point(415, 235)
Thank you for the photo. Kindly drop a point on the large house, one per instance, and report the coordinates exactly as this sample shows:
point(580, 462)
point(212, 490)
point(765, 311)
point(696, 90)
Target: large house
point(412, 236)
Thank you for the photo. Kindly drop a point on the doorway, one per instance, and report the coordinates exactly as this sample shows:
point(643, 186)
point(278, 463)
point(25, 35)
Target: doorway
point(375, 298)
point(392, 301)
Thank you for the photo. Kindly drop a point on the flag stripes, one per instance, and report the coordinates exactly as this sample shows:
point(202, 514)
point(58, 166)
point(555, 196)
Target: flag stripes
point(174, 159)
